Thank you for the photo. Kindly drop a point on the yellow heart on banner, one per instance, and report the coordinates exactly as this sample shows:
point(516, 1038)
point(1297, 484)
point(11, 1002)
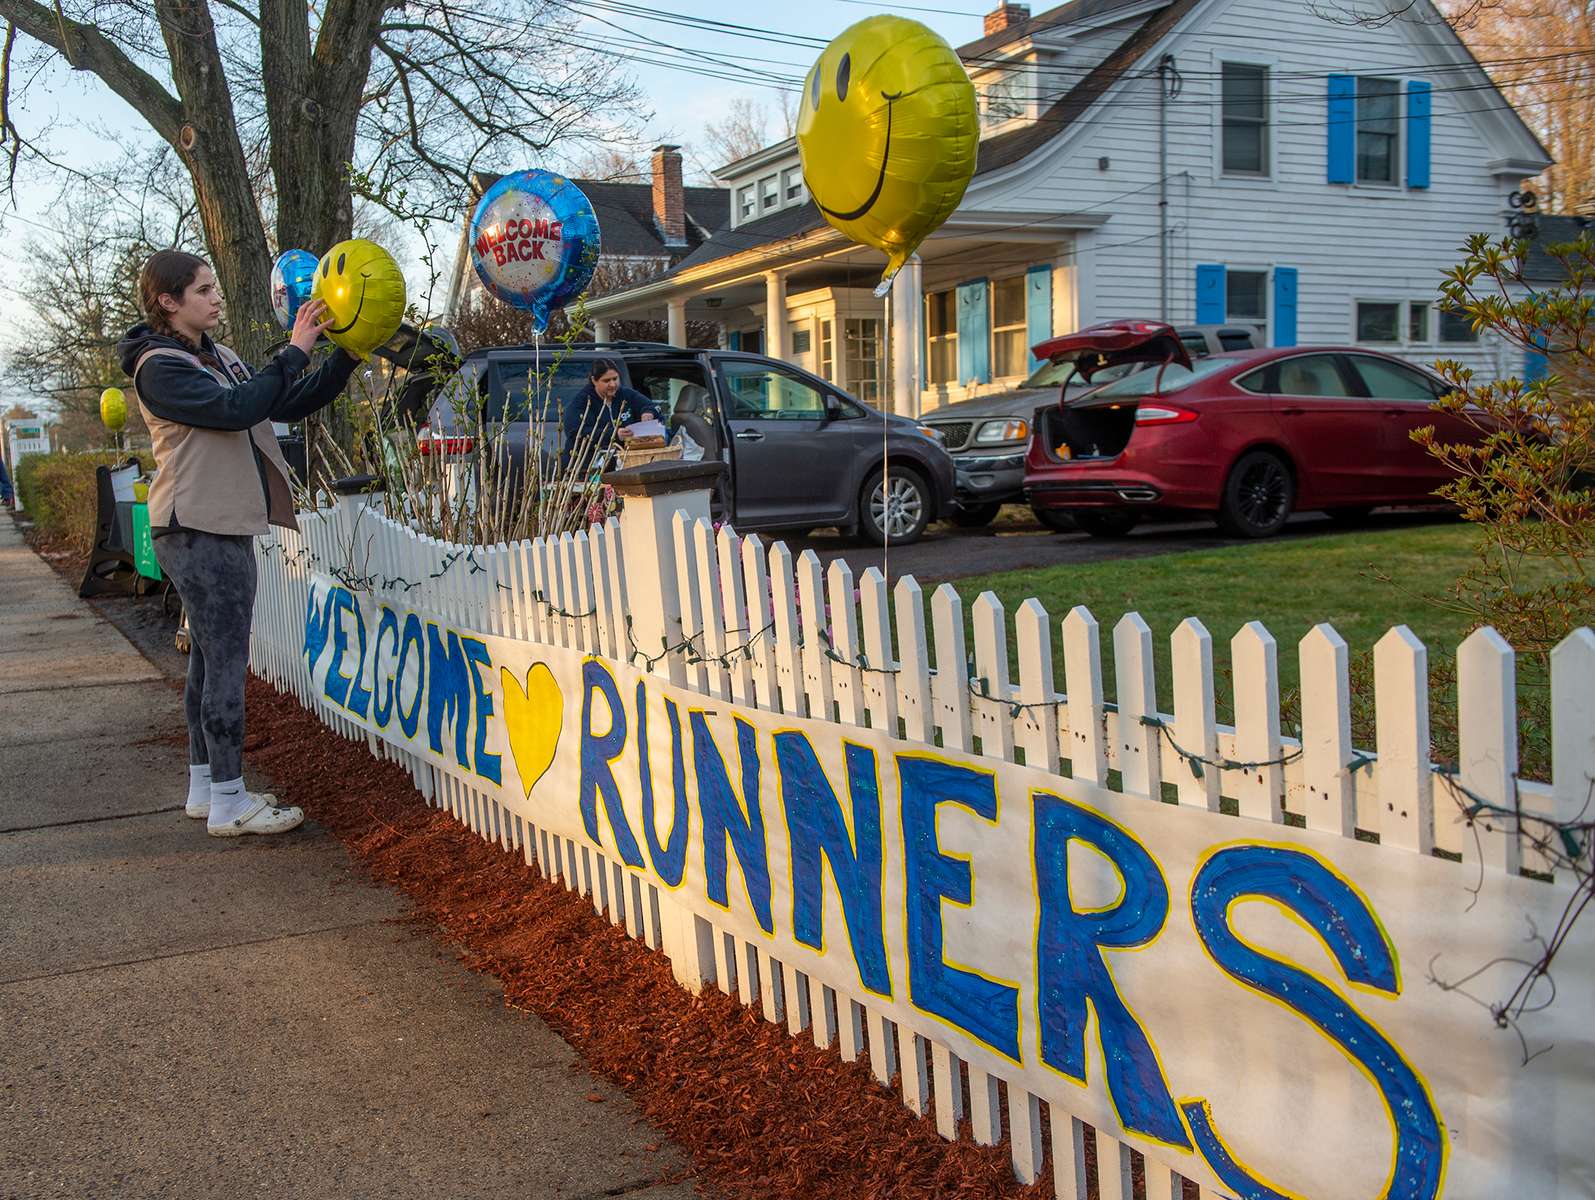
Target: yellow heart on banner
point(533, 717)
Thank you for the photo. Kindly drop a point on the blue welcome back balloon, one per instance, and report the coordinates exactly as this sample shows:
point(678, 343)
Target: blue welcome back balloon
point(291, 279)
point(534, 242)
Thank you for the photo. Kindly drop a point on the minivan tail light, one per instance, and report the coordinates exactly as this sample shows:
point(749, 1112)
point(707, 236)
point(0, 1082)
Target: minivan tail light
point(428, 444)
point(1163, 414)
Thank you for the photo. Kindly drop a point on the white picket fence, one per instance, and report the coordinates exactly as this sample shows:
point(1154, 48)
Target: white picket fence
point(767, 630)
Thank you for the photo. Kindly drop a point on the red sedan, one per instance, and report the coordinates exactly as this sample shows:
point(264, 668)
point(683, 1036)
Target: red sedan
point(1250, 436)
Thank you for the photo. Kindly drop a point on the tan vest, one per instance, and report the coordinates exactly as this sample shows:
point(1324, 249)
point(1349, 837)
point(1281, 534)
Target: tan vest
point(207, 478)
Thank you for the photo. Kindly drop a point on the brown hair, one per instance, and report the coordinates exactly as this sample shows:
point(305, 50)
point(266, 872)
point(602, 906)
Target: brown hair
point(169, 273)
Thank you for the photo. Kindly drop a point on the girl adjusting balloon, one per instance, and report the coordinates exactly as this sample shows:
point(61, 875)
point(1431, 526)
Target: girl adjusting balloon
point(220, 480)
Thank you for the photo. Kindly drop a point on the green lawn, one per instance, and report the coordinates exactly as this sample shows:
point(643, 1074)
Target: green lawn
point(1289, 585)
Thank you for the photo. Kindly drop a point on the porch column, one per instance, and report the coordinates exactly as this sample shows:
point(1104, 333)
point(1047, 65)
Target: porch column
point(676, 321)
point(600, 329)
point(907, 312)
point(776, 342)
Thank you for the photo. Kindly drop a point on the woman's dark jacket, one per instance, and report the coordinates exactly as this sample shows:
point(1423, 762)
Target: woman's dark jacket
point(590, 420)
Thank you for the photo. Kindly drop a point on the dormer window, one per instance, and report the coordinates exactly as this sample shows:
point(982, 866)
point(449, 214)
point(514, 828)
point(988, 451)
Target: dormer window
point(1006, 96)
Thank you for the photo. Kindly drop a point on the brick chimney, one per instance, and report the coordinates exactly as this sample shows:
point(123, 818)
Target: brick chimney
point(1006, 16)
point(670, 204)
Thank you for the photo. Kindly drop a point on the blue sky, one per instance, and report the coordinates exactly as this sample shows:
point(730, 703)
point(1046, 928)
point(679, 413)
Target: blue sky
point(89, 121)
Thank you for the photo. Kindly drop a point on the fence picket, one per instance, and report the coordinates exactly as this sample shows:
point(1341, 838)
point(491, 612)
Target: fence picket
point(739, 626)
point(1487, 742)
point(1140, 745)
point(847, 688)
point(1195, 725)
point(993, 711)
point(914, 673)
point(950, 683)
point(1404, 780)
point(1082, 682)
point(711, 615)
point(759, 617)
point(1259, 790)
point(690, 600)
point(1572, 730)
point(816, 637)
point(788, 634)
point(1036, 732)
point(1327, 797)
point(1068, 1155)
point(879, 681)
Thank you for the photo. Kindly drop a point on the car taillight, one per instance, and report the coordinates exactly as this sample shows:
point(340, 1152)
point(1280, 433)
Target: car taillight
point(427, 443)
point(1162, 414)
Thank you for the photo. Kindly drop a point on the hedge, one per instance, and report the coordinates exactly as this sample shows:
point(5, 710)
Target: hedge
point(58, 492)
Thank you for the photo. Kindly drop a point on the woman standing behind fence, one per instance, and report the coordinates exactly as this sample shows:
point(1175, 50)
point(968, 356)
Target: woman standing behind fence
point(220, 480)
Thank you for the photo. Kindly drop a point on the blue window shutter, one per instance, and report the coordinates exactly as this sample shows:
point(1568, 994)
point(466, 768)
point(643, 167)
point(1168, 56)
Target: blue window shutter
point(1420, 102)
point(1284, 306)
point(1342, 129)
point(734, 340)
point(1535, 365)
point(1210, 298)
point(1038, 307)
point(974, 332)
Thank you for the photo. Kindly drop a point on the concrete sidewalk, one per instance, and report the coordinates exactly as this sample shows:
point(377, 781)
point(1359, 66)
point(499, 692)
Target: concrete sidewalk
point(188, 1016)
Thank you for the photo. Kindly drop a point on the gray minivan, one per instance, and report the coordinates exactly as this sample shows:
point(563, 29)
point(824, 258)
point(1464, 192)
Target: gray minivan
point(801, 452)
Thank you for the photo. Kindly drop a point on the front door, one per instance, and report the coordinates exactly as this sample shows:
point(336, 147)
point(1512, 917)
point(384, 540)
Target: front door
point(778, 422)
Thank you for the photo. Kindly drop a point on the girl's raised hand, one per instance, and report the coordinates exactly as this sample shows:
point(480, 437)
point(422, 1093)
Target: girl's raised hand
point(309, 323)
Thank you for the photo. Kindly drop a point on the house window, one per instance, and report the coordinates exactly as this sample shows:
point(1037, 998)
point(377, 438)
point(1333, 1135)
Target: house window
point(1005, 96)
point(1245, 106)
point(769, 192)
point(1456, 327)
point(1246, 299)
point(745, 202)
point(1418, 321)
point(862, 346)
point(941, 337)
point(1009, 354)
point(827, 353)
point(1377, 129)
point(1378, 320)
point(792, 184)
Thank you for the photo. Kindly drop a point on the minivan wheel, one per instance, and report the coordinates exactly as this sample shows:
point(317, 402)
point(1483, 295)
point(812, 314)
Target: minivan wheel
point(894, 504)
point(1112, 523)
point(1258, 496)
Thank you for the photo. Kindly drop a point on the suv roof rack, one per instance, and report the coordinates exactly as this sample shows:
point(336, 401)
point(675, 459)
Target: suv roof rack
point(586, 345)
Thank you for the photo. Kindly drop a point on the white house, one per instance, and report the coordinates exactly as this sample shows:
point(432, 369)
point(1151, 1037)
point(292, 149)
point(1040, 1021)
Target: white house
point(1198, 160)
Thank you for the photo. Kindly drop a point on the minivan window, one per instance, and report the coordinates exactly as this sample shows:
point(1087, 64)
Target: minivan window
point(1147, 382)
point(513, 385)
point(1234, 339)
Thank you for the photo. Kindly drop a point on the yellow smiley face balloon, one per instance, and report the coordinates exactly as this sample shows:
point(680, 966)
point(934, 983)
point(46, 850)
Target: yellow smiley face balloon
point(888, 130)
point(364, 291)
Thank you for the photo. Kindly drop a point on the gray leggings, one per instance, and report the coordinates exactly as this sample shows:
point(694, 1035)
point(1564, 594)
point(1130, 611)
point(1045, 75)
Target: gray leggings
point(214, 574)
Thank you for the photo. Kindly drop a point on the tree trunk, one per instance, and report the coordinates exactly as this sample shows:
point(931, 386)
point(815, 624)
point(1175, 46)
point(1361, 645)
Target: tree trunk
point(312, 106)
point(209, 147)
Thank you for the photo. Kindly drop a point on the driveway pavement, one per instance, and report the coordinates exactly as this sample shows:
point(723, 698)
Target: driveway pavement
point(192, 1017)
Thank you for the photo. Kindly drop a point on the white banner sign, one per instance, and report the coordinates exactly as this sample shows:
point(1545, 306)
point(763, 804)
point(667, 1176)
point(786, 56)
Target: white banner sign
point(1259, 1006)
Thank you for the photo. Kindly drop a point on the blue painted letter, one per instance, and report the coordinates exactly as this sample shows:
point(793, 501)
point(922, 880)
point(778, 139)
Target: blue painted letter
point(1071, 972)
point(410, 721)
point(1349, 930)
point(984, 1008)
point(448, 693)
point(488, 766)
point(817, 827)
point(597, 753)
point(670, 859)
point(724, 817)
point(387, 623)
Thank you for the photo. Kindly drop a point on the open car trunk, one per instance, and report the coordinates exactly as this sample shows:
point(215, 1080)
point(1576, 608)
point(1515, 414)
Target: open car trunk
point(1087, 431)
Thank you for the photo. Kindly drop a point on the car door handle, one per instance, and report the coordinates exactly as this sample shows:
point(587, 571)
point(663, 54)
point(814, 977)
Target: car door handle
point(750, 435)
point(1291, 412)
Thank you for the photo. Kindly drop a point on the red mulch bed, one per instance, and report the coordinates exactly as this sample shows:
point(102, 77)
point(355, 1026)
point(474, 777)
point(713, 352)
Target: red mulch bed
point(760, 1113)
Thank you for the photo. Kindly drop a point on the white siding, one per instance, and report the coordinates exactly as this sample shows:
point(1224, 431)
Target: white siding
point(1365, 241)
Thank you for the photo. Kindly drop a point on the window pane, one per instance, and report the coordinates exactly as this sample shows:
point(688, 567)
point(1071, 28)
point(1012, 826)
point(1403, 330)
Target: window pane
point(943, 313)
point(764, 393)
point(943, 361)
point(1392, 381)
point(1243, 149)
point(745, 200)
point(1456, 327)
point(1311, 375)
point(1418, 321)
point(792, 183)
point(518, 381)
point(1378, 321)
point(802, 341)
point(1377, 129)
point(1244, 91)
point(1009, 353)
point(1008, 301)
point(1246, 295)
point(1234, 340)
point(862, 346)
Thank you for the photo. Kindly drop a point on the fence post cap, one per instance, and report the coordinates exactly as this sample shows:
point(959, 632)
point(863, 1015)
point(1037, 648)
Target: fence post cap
point(354, 485)
point(664, 478)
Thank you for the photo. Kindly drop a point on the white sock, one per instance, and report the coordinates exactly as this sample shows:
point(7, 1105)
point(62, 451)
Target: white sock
point(228, 801)
point(198, 782)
